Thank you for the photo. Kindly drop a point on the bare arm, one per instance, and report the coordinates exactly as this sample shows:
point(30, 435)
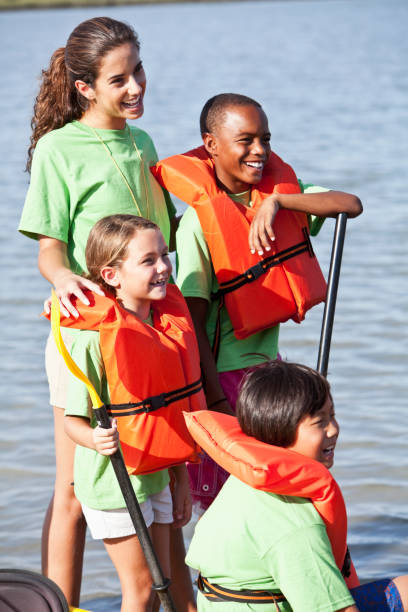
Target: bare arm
point(349, 609)
point(54, 266)
point(322, 204)
point(105, 441)
point(198, 309)
point(182, 504)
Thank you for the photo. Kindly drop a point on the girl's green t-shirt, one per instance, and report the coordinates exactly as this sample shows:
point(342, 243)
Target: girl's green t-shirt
point(74, 183)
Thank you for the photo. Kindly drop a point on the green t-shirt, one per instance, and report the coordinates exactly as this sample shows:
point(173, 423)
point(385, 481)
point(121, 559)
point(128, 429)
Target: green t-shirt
point(250, 539)
point(96, 485)
point(196, 278)
point(74, 183)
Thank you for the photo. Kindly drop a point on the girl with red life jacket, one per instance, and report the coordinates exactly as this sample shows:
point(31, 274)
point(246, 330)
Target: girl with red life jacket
point(255, 547)
point(245, 261)
point(137, 346)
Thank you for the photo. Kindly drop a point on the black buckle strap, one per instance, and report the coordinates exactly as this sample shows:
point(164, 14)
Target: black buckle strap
point(150, 404)
point(260, 268)
point(216, 593)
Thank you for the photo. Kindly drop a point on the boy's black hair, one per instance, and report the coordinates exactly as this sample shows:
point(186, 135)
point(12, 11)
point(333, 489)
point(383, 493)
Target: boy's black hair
point(275, 397)
point(215, 108)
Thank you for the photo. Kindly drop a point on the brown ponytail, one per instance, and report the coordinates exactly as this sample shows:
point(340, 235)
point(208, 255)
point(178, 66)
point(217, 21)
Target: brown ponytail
point(58, 101)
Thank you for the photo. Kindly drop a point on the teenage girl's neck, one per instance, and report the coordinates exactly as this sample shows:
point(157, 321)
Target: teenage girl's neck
point(102, 122)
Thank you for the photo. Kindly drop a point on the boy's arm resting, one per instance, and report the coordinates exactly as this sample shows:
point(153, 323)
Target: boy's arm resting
point(54, 266)
point(198, 308)
point(321, 204)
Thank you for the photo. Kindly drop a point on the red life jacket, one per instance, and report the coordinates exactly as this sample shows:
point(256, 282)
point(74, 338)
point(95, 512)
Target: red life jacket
point(153, 375)
point(277, 470)
point(259, 292)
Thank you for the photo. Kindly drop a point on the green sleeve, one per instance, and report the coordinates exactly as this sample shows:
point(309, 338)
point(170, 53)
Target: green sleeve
point(47, 206)
point(303, 566)
point(86, 353)
point(315, 223)
point(194, 268)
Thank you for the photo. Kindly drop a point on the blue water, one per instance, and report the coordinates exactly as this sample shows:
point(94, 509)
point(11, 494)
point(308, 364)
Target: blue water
point(332, 78)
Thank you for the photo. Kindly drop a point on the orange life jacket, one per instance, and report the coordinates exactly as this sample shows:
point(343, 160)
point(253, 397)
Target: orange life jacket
point(259, 292)
point(153, 375)
point(278, 470)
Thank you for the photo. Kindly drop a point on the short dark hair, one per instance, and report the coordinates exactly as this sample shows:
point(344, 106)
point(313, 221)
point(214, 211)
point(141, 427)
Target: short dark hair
point(275, 397)
point(214, 109)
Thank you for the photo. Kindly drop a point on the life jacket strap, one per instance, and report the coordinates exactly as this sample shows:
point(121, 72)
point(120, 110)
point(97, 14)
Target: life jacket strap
point(216, 593)
point(150, 404)
point(260, 268)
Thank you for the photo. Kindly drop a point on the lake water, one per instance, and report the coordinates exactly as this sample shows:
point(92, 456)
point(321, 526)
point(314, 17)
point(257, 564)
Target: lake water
point(332, 78)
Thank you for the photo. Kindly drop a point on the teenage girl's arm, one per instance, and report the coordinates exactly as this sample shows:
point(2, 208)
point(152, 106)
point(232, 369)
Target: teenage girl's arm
point(322, 204)
point(198, 308)
point(104, 441)
point(53, 265)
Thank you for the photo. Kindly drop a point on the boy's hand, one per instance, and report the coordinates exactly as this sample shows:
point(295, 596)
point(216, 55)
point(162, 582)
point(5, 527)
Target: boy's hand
point(106, 441)
point(180, 491)
point(261, 231)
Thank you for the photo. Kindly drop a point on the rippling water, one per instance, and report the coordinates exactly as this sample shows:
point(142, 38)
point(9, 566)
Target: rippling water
point(332, 78)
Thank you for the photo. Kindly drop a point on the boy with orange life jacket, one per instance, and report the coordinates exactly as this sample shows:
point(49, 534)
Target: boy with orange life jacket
point(257, 546)
point(137, 346)
point(245, 261)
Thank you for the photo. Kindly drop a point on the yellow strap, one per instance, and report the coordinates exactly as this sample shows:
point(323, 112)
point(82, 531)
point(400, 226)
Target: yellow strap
point(71, 609)
point(72, 366)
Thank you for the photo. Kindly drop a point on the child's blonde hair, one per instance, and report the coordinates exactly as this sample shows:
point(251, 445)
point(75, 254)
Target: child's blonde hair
point(108, 242)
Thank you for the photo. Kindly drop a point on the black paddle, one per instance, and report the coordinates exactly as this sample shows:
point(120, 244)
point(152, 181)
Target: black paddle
point(331, 296)
point(160, 583)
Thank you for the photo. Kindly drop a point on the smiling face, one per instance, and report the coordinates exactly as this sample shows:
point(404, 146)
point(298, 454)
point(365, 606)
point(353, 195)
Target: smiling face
point(316, 435)
point(240, 147)
point(143, 276)
point(117, 93)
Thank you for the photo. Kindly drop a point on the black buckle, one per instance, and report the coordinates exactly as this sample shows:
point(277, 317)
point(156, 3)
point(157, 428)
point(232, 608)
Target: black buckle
point(255, 271)
point(154, 403)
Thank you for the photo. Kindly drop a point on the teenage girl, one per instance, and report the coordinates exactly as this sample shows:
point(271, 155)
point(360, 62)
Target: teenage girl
point(128, 256)
point(276, 543)
point(86, 162)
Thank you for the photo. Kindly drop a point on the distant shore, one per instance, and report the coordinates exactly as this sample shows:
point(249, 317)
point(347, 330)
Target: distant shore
point(11, 5)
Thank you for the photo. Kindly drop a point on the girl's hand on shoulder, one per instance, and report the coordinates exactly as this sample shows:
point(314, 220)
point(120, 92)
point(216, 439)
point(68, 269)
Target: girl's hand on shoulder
point(68, 285)
point(180, 492)
point(261, 232)
point(106, 441)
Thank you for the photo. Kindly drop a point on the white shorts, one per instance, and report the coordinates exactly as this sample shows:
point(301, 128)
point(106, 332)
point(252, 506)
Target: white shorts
point(105, 524)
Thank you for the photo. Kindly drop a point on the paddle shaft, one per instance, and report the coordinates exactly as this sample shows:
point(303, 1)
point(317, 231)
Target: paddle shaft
point(160, 583)
point(331, 296)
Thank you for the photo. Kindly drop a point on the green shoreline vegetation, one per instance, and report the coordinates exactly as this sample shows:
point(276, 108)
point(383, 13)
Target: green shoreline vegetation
point(10, 5)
